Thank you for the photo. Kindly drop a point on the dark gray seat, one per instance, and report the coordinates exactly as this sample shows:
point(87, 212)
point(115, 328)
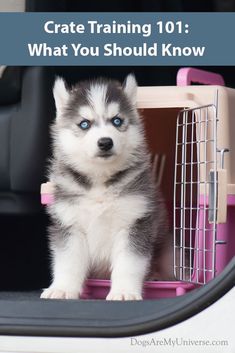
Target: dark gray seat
point(26, 110)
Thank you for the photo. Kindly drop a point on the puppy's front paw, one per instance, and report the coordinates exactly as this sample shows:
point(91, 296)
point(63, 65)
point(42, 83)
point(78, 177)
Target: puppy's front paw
point(56, 293)
point(123, 296)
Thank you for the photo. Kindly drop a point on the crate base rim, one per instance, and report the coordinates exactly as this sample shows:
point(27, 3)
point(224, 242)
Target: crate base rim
point(99, 288)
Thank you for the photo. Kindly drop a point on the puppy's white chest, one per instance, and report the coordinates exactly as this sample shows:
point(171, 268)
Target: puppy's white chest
point(101, 211)
point(97, 218)
point(104, 218)
point(96, 209)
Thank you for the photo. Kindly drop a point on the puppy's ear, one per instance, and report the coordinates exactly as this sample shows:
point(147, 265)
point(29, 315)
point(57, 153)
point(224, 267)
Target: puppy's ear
point(130, 88)
point(61, 94)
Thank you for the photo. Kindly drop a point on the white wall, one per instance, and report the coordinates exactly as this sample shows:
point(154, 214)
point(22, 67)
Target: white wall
point(12, 5)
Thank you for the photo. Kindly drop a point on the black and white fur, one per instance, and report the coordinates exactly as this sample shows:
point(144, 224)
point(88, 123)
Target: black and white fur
point(108, 219)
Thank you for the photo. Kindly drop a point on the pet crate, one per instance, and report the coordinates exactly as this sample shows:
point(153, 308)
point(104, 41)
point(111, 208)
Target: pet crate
point(189, 130)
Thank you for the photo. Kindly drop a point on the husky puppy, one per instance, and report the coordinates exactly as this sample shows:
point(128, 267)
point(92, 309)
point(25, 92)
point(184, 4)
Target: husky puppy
point(108, 219)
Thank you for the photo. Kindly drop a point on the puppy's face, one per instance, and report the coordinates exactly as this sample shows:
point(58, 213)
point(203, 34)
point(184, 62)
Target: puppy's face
point(97, 122)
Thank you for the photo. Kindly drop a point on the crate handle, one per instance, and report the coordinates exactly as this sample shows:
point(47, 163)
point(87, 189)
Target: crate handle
point(221, 179)
point(187, 75)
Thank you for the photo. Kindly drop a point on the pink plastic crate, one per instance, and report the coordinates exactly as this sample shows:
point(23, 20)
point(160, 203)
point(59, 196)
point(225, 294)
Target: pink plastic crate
point(155, 97)
point(98, 289)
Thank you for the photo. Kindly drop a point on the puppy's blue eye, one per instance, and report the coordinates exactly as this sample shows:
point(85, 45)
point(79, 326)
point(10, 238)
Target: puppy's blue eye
point(116, 121)
point(85, 124)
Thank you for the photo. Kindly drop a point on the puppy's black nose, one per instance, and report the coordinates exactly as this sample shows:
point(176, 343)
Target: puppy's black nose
point(105, 143)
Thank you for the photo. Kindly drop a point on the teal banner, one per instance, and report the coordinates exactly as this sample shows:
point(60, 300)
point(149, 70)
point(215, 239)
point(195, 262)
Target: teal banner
point(117, 39)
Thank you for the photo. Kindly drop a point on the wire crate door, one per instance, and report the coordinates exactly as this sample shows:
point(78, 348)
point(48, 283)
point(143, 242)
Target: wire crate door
point(195, 195)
